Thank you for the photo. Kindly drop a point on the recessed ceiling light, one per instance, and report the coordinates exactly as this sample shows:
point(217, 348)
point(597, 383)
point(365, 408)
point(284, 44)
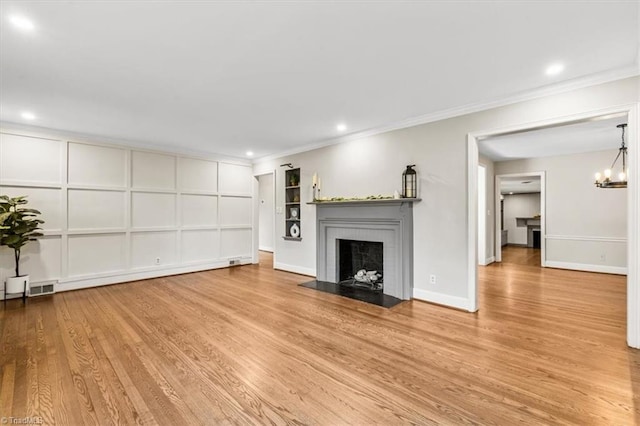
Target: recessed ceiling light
point(21, 23)
point(511, 193)
point(341, 127)
point(28, 115)
point(249, 153)
point(554, 69)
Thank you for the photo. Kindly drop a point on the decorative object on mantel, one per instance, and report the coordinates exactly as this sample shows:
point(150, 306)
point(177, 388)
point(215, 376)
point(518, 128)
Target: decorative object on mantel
point(622, 176)
point(369, 197)
point(410, 182)
point(294, 230)
point(316, 186)
point(341, 201)
point(293, 212)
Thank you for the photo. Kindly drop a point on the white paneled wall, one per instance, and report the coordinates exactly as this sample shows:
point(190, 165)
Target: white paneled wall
point(116, 214)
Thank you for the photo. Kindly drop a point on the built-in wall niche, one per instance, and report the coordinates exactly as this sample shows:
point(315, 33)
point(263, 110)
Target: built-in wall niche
point(292, 203)
point(94, 254)
point(153, 210)
point(199, 210)
point(200, 245)
point(149, 249)
point(235, 179)
point(93, 165)
point(31, 160)
point(236, 242)
point(96, 209)
point(47, 200)
point(198, 175)
point(235, 211)
point(153, 171)
point(40, 258)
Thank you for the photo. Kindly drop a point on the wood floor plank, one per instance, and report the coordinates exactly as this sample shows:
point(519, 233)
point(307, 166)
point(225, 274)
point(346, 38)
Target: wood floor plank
point(247, 345)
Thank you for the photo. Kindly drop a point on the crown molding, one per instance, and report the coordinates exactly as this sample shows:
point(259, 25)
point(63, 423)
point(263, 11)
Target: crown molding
point(563, 87)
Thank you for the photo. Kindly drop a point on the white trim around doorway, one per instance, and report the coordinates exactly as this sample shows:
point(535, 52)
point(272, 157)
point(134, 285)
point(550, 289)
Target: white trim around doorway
point(633, 206)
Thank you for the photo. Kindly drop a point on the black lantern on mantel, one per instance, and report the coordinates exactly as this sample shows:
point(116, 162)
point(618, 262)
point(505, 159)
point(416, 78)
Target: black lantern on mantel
point(410, 182)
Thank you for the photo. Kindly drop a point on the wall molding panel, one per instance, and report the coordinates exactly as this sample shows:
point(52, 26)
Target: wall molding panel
point(115, 213)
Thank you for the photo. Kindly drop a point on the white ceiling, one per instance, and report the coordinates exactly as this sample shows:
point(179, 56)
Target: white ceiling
point(596, 135)
point(520, 185)
point(227, 77)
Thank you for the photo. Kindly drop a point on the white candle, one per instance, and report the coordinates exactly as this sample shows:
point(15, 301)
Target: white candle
point(318, 184)
point(315, 179)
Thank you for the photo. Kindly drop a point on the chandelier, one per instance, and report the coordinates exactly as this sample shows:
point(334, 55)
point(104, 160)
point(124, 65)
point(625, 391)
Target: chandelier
point(622, 176)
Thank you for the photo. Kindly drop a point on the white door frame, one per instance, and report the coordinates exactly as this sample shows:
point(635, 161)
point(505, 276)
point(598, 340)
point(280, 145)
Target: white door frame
point(543, 215)
point(256, 215)
point(633, 205)
point(482, 216)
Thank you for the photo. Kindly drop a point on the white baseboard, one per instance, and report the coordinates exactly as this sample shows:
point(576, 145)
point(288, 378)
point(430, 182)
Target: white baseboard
point(265, 248)
point(618, 270)
point(295, 269)
point(442, 299)
point(488, 261)
point(68, 284)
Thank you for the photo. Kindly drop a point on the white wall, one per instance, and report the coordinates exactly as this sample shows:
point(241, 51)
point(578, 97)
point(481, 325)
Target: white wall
point(586, 226)
point(373, 165)
point(490, 223)
point(266, 212)
point(115, 213)
point(519, 205)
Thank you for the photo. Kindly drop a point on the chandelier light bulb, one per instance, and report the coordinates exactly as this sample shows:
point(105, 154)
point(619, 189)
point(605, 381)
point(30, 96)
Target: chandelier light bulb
point(622, 176)
point(607, 173)
point(598, 176)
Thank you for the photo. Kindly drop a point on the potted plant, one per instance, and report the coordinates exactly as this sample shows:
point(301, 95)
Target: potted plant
point(19, 226)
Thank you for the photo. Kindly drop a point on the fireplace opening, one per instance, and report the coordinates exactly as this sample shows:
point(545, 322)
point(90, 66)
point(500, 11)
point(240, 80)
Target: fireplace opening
point(360, 264)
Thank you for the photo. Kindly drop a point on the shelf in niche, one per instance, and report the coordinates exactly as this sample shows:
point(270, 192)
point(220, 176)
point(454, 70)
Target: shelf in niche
point(292, 202)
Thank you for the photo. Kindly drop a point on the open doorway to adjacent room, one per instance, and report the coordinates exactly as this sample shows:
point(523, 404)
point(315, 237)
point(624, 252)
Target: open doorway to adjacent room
point(266, 217)
point(520, 220)
point(586, 229)
point(548, 212)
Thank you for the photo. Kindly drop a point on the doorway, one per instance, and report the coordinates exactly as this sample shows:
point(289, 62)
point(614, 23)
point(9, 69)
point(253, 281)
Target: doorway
point(521, 215)
point(629, 114)
point(264, 219)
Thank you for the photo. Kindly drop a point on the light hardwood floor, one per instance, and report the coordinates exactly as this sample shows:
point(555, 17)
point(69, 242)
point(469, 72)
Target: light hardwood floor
point(248, 346)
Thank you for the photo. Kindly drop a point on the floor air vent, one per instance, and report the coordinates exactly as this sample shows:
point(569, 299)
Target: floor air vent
point(41, 289)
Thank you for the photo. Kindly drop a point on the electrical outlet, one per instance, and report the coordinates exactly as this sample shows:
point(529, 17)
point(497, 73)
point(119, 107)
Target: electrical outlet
point(603, 257)
point(157, 260)
point(432, 279)
point(278, 210)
